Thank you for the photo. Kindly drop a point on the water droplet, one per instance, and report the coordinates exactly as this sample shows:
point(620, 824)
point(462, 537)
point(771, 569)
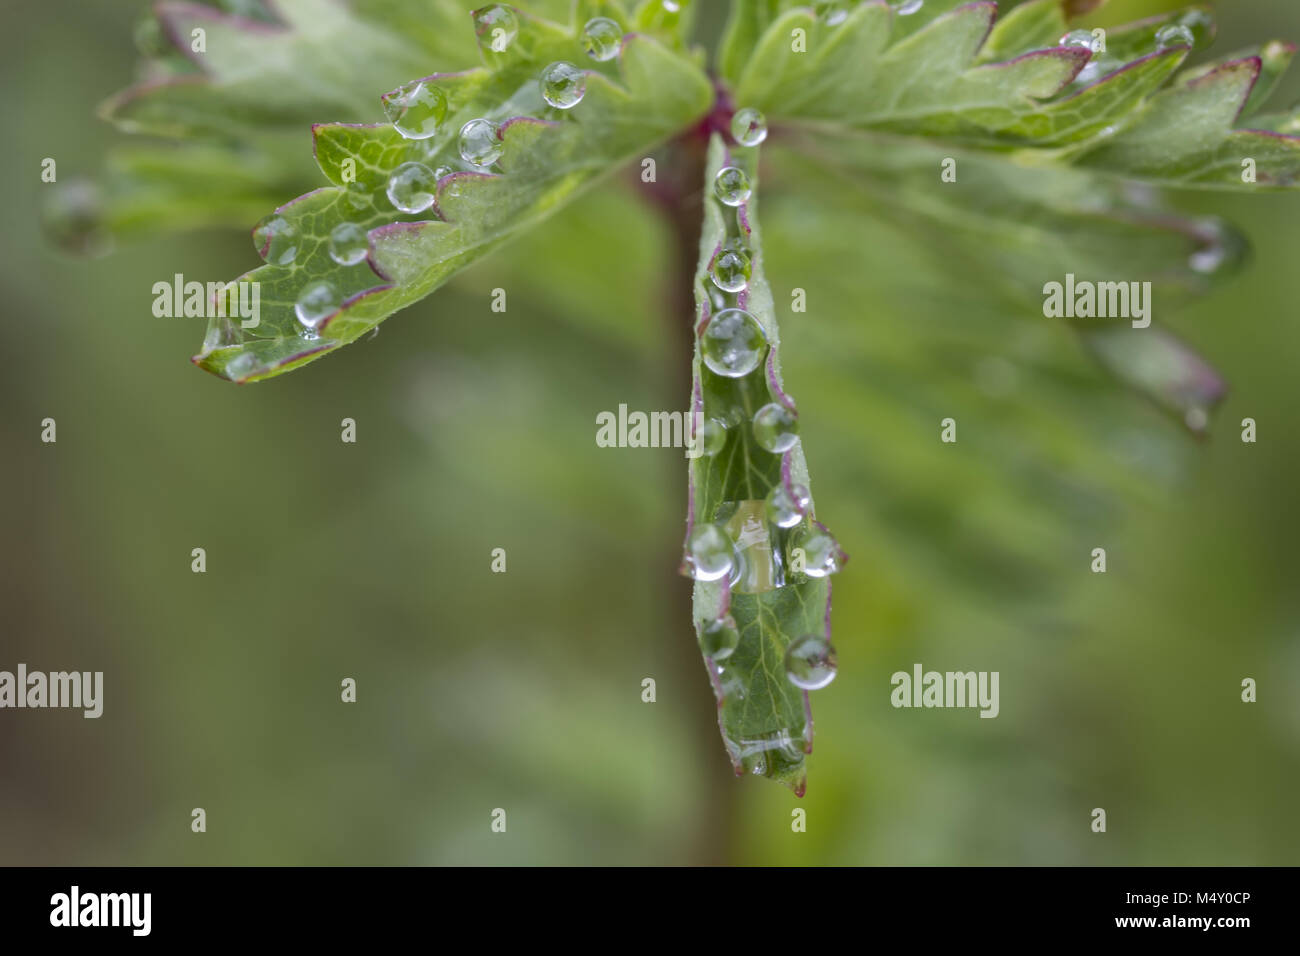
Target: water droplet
point(732, 186)
point(563, 85)
point(276, 240)
point(1080, 38)
point(480, 144)
point(758, 567)
point(416, 110)
point(810, 662)
point(906, 8)
point(710, 554)
point(1275, 53)
point(1100, 65)
point(150, 39)
point(316, 302)
point(832, 12)
point(718, 639)
point(348, 243)
point(412, 187)
point(821, 552)
point(731, 685)
point(496, 27)
point(771, 754)
point(749, 127)
point(784, 510)
point(221, 334)
point(713, 435)
point(602, 38)
point(1207, 260)
point(74, 218)
point(1201, 25)
point(1174, 34)
point(242, 366)
point(732, 343)
point(1219, 247)
point(776, 428)
point(356, 195)
point(731, 268)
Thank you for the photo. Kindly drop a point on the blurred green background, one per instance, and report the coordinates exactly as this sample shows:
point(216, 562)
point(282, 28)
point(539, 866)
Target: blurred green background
point(523, 690)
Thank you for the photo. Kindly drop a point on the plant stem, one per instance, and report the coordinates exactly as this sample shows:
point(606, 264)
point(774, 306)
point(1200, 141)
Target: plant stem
point(678, 196)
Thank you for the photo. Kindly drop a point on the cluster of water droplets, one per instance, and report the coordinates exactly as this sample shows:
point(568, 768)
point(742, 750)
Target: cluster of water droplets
point(835, 12)
point(419, 111)
point(277, 241)
point(1193, 29)
point(750, 547)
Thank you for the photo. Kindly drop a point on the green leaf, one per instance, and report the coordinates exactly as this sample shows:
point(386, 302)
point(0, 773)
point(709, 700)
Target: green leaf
point(252, 74)
point(643, 97)
point(1030, 26)
point(951, 74)
point(1184, 136)
point(264, 77)
point(747, 22)
point(863, 74)
point(228, 124)
point(765, 719)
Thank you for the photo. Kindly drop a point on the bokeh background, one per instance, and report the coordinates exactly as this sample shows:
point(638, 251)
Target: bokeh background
point(523, 690)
